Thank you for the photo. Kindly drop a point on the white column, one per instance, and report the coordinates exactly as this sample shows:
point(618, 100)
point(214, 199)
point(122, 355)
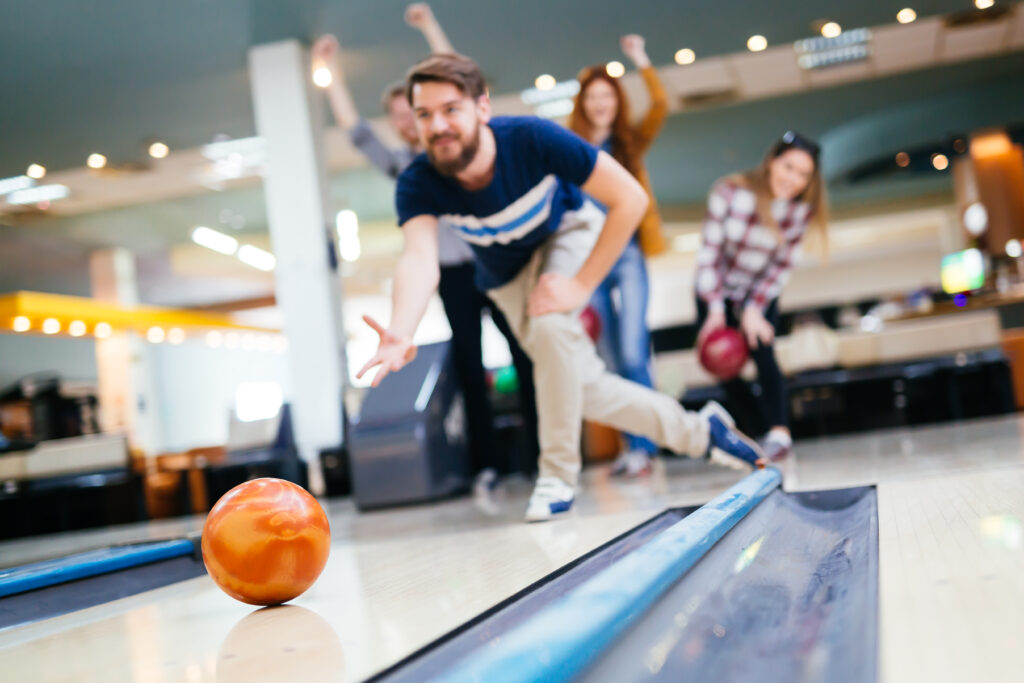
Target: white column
point(124, 361)
point(306, 277)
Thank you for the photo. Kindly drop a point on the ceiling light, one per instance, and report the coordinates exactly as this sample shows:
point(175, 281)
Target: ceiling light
point(322, 77)
point(102, 330)
point(158, 150)
point(906, 15)
point(211, 239)
point(615, 69)
point(256, 257)
point(757, 43)
point(545, 82)
point(96, 161)
point(686, 56)
point(940, 162)
point(21, 324)
point(976, 218)
point(831, 30)
point(51, 326)
point(36, 171)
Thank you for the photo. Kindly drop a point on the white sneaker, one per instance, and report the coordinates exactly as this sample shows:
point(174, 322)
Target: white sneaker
point(632, 464)
point(551, 498)
point(483, 492)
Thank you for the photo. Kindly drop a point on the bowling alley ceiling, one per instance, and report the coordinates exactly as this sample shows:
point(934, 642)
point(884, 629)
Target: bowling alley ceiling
point(112, 77)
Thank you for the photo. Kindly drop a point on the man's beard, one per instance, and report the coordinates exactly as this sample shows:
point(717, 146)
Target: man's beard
point(450, 168)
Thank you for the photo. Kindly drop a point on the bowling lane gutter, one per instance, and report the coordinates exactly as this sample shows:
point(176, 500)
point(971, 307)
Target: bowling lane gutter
point(91, 563)
point(559, 641)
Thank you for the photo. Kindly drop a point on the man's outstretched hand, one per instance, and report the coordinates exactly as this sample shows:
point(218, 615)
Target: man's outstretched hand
point(393, 352)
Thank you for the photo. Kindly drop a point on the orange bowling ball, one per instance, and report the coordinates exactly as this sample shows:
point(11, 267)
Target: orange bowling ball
point(266, 541)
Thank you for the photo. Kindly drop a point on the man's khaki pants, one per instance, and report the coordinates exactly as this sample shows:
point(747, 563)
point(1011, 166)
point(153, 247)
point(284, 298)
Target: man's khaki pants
point(572, 382)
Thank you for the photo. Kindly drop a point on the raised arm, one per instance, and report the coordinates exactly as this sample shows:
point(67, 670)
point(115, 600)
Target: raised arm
point(327, 53)
point(420, 16)
point(633, 46)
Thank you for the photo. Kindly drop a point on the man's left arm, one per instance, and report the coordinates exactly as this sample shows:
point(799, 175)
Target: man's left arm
point(616, 188)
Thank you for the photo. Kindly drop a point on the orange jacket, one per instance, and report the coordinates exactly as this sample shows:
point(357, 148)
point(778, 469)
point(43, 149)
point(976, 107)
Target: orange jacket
point(652, 239)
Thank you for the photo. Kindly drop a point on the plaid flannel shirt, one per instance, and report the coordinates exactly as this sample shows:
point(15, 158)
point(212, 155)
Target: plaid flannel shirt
point(741, 259)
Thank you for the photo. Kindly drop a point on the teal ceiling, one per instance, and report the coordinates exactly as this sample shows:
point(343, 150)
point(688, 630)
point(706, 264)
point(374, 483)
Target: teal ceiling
point(109, 76)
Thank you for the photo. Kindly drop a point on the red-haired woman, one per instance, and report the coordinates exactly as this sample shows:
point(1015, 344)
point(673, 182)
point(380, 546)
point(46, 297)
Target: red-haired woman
point(756, 222)
point(601, 115)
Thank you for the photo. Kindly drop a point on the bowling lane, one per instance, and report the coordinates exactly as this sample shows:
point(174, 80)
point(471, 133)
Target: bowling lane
point(399, 578)
point(951, 585)
point(395, 581)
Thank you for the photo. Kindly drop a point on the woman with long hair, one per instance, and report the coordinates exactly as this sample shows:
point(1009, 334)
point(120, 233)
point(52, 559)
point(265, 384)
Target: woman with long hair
point(755, 224)
point(601, 115)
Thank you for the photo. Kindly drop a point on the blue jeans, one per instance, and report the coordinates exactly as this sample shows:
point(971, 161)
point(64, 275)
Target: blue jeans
point(625, 342)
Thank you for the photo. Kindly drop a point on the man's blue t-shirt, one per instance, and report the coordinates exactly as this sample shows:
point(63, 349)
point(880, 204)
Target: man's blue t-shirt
point(537, 176)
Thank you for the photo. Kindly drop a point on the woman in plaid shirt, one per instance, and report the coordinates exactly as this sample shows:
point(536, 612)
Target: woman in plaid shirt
point(755, 224)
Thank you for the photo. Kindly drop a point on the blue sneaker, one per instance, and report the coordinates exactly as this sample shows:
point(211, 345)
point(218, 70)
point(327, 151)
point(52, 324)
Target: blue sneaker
point(727, 446)
point(551, 498)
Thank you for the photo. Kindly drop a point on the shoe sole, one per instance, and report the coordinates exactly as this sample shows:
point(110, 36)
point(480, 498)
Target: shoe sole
point(550, 516)
point(720, 457)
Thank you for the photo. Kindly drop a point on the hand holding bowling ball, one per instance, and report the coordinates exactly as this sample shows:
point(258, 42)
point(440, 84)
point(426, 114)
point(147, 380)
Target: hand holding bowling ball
point(266, 541)
point(723, 352)
point(755, 328)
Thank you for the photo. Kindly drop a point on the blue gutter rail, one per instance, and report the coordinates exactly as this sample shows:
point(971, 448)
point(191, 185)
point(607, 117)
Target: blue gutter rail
point(558, 642)
point(92, 563)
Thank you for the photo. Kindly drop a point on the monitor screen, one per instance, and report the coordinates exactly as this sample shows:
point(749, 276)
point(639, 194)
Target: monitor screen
point(963, 271)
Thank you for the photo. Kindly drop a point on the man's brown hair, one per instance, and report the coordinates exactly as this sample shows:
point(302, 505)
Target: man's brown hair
point(460, 71)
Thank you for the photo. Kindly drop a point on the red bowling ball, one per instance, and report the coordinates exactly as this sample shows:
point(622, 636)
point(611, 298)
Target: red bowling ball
point(591, 323)
point(724, 352)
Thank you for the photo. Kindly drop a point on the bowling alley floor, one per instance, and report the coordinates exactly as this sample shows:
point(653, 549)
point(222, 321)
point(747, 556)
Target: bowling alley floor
point(951, 570)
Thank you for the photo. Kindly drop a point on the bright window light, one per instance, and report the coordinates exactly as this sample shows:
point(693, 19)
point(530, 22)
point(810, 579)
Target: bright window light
point(347, 224)
point(15, 183)
point(42, 193)
point(258, 400)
